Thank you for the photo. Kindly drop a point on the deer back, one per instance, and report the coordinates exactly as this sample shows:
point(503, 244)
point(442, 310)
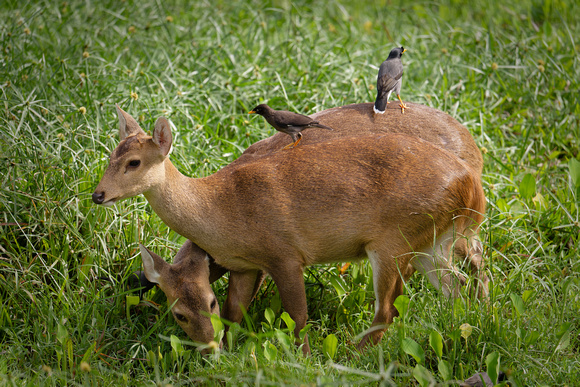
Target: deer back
point(419, 121)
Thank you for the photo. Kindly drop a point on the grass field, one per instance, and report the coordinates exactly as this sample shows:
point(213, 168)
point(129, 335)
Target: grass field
point(507, 70)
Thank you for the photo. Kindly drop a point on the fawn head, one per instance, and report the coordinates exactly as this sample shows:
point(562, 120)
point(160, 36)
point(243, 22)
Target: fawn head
point(186, 285)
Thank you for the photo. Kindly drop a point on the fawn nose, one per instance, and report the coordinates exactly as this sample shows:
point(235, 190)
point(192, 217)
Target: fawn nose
point(98, 197)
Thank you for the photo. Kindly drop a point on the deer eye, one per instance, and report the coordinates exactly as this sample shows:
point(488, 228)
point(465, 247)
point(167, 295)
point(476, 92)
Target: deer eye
point(134, 163)
point(180, 317)
point(213, 304)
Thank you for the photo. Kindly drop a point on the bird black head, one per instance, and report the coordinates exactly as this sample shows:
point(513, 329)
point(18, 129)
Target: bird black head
point(260, 109)
point(396, 52)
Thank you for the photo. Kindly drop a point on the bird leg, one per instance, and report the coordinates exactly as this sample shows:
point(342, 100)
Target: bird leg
point(402, 104)
point(295, 143)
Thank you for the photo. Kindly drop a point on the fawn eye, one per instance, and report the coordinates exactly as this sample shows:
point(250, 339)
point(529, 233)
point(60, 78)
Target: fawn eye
point(134, 163)
point(180, 317)
point(213, 304)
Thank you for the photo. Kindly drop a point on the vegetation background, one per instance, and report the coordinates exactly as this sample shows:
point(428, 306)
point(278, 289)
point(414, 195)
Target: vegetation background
point(507, 70)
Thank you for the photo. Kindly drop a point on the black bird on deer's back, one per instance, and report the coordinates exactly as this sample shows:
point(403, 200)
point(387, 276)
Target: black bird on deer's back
point(287, 122)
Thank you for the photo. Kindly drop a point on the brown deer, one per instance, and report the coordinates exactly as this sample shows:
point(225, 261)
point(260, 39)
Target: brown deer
point(423, 122)
point(395, 198)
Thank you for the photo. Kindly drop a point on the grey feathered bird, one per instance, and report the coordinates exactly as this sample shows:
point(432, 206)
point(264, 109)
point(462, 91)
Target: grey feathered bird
point(389, 80)
point(287, 122)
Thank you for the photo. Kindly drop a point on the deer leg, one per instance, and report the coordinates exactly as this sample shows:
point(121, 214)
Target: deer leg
point(290, 282)
point(388, 285)
point(435, 262)
point(470, 252)
point(242, 288)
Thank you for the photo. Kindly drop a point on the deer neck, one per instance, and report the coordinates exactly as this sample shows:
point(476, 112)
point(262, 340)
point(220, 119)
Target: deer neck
point(181, 202)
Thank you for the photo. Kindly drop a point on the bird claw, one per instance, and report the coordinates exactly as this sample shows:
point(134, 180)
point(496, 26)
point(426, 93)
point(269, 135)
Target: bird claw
point(294, 144)
point(403, 107)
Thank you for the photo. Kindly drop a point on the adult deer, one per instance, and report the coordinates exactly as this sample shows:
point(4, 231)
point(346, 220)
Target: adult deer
point(423, 122)
point(395, 198)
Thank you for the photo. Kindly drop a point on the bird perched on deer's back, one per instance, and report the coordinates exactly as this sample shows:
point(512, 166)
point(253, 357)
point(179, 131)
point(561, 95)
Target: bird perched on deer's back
point(287, 122)
point(389, 80)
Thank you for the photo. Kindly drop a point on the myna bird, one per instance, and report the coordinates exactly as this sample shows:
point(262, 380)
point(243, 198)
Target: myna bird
point(287, 122)
point(389, 80)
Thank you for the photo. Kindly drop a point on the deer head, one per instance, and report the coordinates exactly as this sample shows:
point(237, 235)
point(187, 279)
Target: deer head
point(187, 287)
point(136, 165)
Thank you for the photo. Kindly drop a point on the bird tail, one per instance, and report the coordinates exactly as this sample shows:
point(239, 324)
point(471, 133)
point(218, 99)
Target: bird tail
point(380, 105)
point(322, 126)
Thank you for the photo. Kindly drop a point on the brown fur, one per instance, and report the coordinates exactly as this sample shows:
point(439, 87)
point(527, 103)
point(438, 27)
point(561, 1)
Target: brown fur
point(420, 121)
point(339, 198)
point(186, 285)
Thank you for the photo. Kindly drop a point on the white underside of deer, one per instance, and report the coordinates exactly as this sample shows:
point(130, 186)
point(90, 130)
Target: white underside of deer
point(392, 198)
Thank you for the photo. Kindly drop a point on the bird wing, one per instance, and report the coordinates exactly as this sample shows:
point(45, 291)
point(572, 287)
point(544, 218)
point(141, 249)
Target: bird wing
point(390, 73)
point(293, 119)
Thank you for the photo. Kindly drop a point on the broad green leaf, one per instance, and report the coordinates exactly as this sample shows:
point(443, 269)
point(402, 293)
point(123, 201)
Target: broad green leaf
point(528, 186)
point(270, 316)
point(338, 284)
point(532, 337)
point(402, 305)
point(517, 210)
point(492, 363)
point(329, 346)
point(218, 328)
point(230, 338)
point(574, 166)
point(502, 205)
point(562, 329)
point(283, 339)
point(270, 351)
point(89, 352)
point(436, 342)
point(518, 303)
point(61, 334)
point(289, 322)
point(466, 330)
point(410, 347)
point(564, 341)
point(304, 332)
point(176, 345)
point(129, 302)
point(151, 357)
point(422, 375)
point(445, 370)
point(527, 294)
point(540, 200)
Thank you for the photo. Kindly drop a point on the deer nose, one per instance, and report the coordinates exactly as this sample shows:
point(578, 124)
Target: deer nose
point(98, 197)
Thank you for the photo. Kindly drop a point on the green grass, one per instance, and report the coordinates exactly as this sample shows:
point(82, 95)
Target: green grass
point(508, 70)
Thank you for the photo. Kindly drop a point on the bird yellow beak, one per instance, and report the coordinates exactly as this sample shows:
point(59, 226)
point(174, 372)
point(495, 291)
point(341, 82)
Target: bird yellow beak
point(404, 50)
point(251, 112)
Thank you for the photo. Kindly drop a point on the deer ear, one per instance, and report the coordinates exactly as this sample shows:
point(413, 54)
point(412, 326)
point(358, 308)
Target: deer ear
point(127, 124)
point(162, 135)
point(153, 265)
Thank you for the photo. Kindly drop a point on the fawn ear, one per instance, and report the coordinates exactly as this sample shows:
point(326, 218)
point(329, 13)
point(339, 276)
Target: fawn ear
point(127, 124)
point(153, 265)
point(162, 135)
